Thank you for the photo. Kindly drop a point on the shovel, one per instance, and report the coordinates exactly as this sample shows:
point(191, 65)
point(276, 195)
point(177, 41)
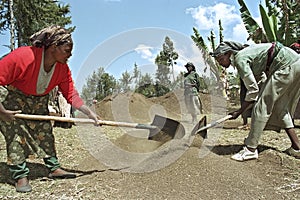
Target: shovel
point(202, 129)
point(202, 123)
point(161, 129)
point(167, 129)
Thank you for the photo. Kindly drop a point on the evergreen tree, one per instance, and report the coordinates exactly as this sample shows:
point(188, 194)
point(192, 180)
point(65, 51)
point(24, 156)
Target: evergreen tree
point(145, 79)
point(89, 90)
point(164, 60)
point(105, 86)
point(125, 81)
point(136, 74)
point(146, 86)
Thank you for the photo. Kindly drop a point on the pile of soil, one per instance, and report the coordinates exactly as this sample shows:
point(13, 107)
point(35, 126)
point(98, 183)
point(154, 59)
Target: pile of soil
point(137, 107)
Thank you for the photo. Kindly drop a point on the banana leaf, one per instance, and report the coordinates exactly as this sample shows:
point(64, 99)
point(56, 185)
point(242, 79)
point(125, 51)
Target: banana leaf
point(254, 30)
point(268, 23)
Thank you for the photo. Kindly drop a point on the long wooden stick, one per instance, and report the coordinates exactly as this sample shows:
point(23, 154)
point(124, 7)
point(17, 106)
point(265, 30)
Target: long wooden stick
point(214, 123)
point(83, 120)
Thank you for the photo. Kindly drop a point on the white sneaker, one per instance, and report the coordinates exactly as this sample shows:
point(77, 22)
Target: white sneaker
point(245, 154)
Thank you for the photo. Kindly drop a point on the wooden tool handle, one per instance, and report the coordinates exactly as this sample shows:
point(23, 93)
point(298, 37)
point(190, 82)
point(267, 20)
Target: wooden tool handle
point(214, 123)
point(83, 120)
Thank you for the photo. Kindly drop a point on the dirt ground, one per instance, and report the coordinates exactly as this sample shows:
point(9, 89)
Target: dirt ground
point(121, 163)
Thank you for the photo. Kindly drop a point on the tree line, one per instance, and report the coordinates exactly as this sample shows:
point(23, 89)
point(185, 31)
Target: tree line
point(101, 84)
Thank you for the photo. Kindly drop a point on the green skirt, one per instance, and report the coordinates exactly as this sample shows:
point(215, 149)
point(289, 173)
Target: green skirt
point(25, 138)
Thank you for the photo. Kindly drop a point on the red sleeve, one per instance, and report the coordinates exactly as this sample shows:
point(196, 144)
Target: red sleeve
point(20, 68)
point(14, 65)
point(69, 91)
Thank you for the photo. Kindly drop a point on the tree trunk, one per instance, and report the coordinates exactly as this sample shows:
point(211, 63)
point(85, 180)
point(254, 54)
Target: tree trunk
point(12, 25)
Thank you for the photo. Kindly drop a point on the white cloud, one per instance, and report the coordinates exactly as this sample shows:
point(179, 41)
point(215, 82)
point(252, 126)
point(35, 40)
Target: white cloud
point(239, 33)
point(145, 52)
point(207, 18)
point(188, 52)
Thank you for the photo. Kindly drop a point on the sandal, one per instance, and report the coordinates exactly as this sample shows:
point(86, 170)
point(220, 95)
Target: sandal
point(61, 174)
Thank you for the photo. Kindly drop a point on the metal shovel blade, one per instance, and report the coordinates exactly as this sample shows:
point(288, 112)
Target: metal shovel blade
point(203, 129)
point(167, 129)
point(202, 123)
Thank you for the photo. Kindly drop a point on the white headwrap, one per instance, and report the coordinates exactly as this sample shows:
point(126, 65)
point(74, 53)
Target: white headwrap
point(227, 46)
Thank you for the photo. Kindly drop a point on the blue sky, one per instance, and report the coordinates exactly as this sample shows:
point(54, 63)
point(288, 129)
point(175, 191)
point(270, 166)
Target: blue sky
point(115, 34)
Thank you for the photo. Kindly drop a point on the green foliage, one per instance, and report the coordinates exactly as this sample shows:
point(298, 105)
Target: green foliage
point(136, 74)
point(199, 41)
point(280, 21)
point(105, 86)
point(203, 83)
point(212, 39)
point(288, 23)
point(179, 81)
point(99, 85)
point(233, 79)
point(148, 90)
point(209, 62)
point(145, 80)
point(221, 37)
point(161, 89)
point(33, 15)
point(268, 24)
point(216, 70)
point(152, 90)
point(252, 27)
point(164, 60)
point(125, 81)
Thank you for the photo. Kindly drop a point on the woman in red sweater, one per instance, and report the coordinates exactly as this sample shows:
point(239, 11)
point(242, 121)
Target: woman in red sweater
point(29, 74)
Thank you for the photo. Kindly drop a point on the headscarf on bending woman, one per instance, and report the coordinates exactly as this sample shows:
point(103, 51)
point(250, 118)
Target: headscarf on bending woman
point(226, 46)
point(53, 34)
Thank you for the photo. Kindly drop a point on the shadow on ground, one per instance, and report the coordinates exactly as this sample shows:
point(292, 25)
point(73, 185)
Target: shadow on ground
point(232, 149)
point(37, 171)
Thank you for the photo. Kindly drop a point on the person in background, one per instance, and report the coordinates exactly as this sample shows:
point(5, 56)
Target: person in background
point(191, 91)
point(29, 74)
point(273, 104)
point(224, 85)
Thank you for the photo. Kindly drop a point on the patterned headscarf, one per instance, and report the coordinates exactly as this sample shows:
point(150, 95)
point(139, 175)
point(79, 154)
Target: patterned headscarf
point(227, 46)
point(53, 34)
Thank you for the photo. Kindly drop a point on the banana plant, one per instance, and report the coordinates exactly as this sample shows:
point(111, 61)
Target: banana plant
point(215, 69)
point(289, 17)
point(269, 24)
point(199, 41)
point(280, 21)
point(255, 32)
